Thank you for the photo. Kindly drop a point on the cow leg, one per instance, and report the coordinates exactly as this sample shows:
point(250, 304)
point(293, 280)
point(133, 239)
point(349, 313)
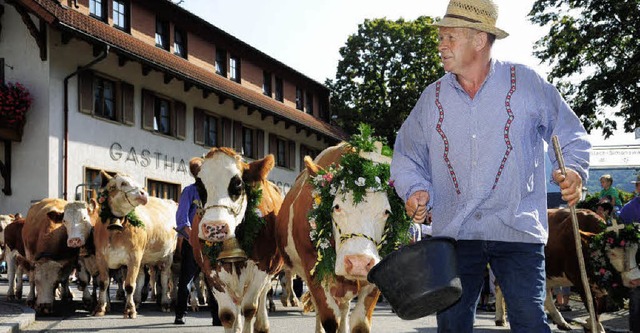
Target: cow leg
point(165, 275)
point(501, 309)
point(139, 288)
point(555, 315)
point(289, 295)
point(262, 317)
point(133, 273)
point(362, 312)
point(193, 293)
point(153, 277)
point(327, 309)
point(11, 274)
point(119, 278)
point(65, 290)
point(32, 288)
point(103, 283)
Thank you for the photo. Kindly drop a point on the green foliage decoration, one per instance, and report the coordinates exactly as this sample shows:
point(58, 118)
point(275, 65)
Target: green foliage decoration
point(106, 215)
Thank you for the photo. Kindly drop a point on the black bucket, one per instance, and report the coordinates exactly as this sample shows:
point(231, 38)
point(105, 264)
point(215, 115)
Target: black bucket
point(419, 279)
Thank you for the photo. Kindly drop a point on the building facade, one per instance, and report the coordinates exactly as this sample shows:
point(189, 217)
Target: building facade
point(140, 87)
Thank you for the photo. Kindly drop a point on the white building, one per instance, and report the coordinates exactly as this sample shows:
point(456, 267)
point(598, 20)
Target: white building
point(140, 87)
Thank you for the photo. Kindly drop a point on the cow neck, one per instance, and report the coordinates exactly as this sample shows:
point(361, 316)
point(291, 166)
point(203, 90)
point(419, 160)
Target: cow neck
point(106, 214)
point(605, 275)
point(246, 232)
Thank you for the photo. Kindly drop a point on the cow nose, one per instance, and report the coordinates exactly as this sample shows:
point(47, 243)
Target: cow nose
point(75, 242)
point(143, 197)
point(358, 264)
point(214, 231)
point(635, 283)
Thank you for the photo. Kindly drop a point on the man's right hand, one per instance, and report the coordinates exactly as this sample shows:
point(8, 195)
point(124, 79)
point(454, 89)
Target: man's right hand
point(416, 206)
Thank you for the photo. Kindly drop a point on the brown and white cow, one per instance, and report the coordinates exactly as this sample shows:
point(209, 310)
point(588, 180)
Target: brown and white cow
point(623, 260)
point(354, 257)
point(561, 264)
point(14, 248)
point(239, 287)
point(150, 244)
point(49, 260)
point(4, 222)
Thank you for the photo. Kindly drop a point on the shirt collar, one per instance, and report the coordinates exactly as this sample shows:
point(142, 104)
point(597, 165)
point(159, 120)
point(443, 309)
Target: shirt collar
point(452, 78)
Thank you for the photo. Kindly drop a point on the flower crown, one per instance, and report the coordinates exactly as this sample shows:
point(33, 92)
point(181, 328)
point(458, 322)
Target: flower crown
point(601, 267)
point(357, 175)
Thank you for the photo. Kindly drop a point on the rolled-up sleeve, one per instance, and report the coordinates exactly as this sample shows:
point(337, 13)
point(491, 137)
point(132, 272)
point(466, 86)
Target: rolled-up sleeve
point(410, 169)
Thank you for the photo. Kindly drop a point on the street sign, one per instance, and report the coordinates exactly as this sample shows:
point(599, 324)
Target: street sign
point(615, 157)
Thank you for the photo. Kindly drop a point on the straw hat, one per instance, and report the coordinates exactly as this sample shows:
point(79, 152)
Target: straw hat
point(637, 179)
point(475, 14)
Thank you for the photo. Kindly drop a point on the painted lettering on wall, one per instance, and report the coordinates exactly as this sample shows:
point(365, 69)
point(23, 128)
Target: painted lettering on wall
point(144, 156)
point(284, 186)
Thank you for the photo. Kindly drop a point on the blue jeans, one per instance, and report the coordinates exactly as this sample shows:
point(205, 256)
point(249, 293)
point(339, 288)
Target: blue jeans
point(519, 270)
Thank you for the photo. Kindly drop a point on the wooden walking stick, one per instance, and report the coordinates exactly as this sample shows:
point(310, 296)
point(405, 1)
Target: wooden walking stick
point(576, 236)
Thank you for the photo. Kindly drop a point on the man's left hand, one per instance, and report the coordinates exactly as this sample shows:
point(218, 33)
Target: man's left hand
point(570, 186)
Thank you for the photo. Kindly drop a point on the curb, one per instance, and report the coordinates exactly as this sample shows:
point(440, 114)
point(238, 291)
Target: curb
point(15, 317)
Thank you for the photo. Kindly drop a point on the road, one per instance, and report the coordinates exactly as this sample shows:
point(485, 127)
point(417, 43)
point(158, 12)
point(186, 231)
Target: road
point(72, 318)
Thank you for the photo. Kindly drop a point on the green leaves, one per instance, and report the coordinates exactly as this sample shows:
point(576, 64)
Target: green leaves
point(594, 48)
point(385, 67)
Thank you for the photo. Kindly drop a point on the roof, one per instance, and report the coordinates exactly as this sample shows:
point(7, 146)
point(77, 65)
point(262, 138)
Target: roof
point(92, 30)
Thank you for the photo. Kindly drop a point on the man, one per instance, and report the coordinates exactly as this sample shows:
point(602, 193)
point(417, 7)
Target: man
point(189, 203)
point(473, 148)
point(630, 213)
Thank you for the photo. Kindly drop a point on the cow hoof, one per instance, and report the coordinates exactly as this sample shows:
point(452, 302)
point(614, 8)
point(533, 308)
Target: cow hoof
point(195, 308)
point(45, 308)
point(360, 328)
point(98, 312)
point(564, 327)
point(31, 303)
point(272, 307)
point(500, 323)
point(166, 307)
point(11, 298)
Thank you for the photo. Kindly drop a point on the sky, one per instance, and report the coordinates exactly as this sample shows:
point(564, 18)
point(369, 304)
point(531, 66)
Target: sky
point(307, 35)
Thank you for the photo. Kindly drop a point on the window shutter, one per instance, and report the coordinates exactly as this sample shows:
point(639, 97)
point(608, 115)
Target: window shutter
point(85, 92)
point(147, 109)
point(198, 126)
point(181, 121)
point(259, 144)
point(291, 163)
point(227, 135)
point(237, 137)
point(273, 146)
point(128, 115)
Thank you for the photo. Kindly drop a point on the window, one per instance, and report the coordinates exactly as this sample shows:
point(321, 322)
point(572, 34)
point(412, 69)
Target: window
point(299, 99)
point(104, 98)
point(221, 62)
point(211, 131)
point(266, 83)
point(121, 14)
point(180, 43)
point(284, 150)
point(162, 116)
point(92, 183)
point(309, 100)
point(162, 34)
point(234, 67)
point(163, 190)
point(281, 156)
point(279, 90)
point(98, 9)
point(248, 146)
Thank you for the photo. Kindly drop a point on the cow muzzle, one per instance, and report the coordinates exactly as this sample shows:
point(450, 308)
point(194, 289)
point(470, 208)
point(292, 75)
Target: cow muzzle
point(631, 278)
point(358, 266)
point(75, 242)
point(214, 231)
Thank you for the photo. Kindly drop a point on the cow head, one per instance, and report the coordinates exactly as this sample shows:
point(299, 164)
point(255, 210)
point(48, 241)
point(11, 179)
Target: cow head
point(223, 175)
point(4, 222)
point(358, 227)
point(79, 218)
point(123, 193)
point(623, 259)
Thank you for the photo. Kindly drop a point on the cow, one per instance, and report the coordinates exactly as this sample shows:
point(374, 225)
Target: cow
point(14, 248)
point(4, 222)
point(357, 230)
point(231, 212)
point(146, 237)
point(48, 258)
point(561, 264)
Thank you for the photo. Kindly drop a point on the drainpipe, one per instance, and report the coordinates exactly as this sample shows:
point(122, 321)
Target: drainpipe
point(65, 157)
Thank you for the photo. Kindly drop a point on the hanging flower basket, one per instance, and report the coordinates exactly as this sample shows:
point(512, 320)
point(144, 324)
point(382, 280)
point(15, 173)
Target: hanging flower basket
point(15, 101)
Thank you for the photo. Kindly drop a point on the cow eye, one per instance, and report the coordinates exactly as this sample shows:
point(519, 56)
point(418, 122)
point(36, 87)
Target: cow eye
point(235, 187)
point(387, 212)
point(336, 208)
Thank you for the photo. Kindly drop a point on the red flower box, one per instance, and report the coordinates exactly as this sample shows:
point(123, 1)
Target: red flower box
point(15, 101)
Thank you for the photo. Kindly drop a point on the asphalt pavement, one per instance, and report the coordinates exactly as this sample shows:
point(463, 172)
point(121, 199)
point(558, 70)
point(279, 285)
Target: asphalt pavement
point(17, 317)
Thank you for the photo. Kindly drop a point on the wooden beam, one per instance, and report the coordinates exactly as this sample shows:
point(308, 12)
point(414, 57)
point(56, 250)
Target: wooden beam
point(122, 60)
point(187, 86)
point(40, 35)
point(298, 129)
point(276, 120)
point(167, 78)
point(222, 99)
point(236, 104)
point(287, 125)
point(309, 133)
point(146, 70)
point(263, 116)
point(97, 50)
point(250, 111)
point(205, 93)
point(65, 38)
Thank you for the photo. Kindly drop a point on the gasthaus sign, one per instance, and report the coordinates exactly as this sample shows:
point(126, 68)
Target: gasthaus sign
point(144, 158)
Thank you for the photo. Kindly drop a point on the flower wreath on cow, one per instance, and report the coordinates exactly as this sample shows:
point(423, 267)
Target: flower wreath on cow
point(246, 232)
point(356, 174)
point(606, 275)
point(115, 223)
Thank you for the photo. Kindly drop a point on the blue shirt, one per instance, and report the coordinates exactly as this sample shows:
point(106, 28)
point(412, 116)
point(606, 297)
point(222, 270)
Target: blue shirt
point(187, 208)
point(630, 213)
point(482, 159)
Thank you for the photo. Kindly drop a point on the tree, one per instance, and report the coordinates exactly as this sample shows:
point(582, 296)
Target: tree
point(593, 47)
point(384, 68)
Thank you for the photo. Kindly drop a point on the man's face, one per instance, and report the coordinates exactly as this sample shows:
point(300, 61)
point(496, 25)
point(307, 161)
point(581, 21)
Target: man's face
point(456, 48)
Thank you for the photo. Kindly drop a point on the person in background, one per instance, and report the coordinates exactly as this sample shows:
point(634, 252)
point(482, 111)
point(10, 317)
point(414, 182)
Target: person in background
point(468, 148)
point(636, 184)
point(606, 181)
point(604, 208)
point(187, 207)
